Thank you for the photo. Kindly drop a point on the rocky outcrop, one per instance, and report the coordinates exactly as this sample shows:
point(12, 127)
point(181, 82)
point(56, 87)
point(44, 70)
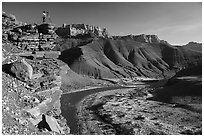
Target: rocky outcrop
point(8, 21)
point(32, 37)
point(30, 28)
point(54, 124)
point(82, 29)
point(39, 96)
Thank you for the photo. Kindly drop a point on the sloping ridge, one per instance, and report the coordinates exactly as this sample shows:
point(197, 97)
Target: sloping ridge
point(108, 58)
point(194, 46)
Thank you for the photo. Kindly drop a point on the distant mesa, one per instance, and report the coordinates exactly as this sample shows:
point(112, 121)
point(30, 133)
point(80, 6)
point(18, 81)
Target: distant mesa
point(147, 38)
point(142, 38)
point(74, 30)
point(194, 46)
point(82, 29)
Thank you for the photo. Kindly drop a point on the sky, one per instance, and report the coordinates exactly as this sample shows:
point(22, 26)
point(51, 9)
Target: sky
point(176, 22)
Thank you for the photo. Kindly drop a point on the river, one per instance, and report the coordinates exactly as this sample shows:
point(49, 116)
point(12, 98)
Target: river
point(69, 103)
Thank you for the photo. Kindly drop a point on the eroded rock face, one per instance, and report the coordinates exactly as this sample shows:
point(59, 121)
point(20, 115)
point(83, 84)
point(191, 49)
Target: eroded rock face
point(82, 29)
point(147, 38)
point(142, 38)
point(30, 28)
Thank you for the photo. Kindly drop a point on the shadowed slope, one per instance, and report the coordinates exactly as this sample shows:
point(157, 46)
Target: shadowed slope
point(126, 57)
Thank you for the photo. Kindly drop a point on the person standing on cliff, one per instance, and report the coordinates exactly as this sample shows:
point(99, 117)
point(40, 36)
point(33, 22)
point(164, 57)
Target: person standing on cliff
point(44, 16)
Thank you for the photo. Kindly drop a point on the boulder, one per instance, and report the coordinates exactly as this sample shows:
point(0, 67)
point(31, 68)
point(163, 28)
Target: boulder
point(20, 71)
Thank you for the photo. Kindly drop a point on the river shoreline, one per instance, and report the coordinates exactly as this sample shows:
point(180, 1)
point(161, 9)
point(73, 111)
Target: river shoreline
point(99, 87)
point(66, 108)
point(87, 113)
point(130, 112)
point(126, 110)
point(84, 119)
point(70, 101)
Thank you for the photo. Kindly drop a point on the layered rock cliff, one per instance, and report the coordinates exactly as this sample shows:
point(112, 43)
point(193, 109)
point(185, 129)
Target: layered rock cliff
point(142, 38)
point(30, 88)
point(147, 38)
point(82, 29)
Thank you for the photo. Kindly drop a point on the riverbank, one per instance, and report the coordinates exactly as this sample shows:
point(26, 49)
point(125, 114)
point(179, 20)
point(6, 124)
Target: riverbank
point(130, 112)
point(70, 101)
point(72, 98)
point(89, 123)
point(124, 85)
point(99, 87)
